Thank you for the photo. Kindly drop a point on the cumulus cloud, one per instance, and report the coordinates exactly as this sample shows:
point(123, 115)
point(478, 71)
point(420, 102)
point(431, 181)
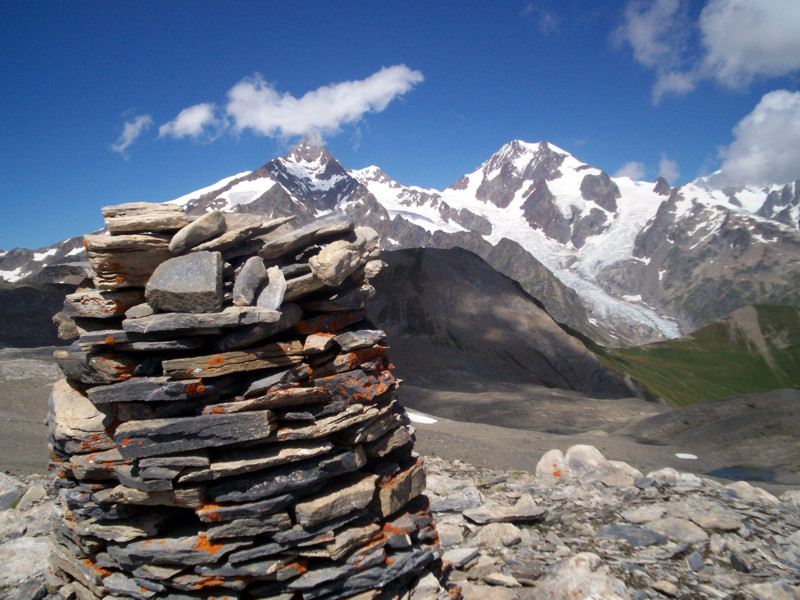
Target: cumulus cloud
point(633, 170)
point(256, 105)
point(190, 122)
point(131, 131)
point(745, 39)
point(766, 148)
point(668, 169)
point(655, 31)
point(733, 42)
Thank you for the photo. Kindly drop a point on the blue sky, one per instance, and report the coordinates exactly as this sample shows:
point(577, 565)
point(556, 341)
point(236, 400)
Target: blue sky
point(425, 90)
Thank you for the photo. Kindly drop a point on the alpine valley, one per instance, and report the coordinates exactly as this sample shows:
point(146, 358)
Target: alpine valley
point(620, 261)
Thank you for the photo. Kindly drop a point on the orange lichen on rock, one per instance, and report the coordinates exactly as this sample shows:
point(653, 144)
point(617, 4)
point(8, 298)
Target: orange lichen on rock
point(206, 546)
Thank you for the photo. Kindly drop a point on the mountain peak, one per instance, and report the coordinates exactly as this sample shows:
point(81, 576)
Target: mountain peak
point(309, 150)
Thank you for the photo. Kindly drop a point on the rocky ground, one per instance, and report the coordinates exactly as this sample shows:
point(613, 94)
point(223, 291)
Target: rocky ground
point(579, 527)
point(515, 520)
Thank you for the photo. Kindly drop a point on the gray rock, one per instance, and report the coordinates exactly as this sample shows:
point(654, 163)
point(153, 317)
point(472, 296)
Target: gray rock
point(253, 334)
point(272, 296)
point(679, 530)
point(338, 260)
point(189, 550)
point(303, 236)
point(740, 561)
point(201, 323)
point(302, 286)
point(695, 562)
point(364, 338)
point(232, 239)
point(11, 490)
point(400, 489)
point(638, 537)
point(187, 284)
point(249, 280)
point(216, 513)
point(460, 557)
point(281, 480)
point(250, 527)
point(204, 228)
point(269, 356)
point(74, 421)
point(143, 216)
point(342, 498)
point(248, 460)
point(167, 436)
point(126, 587)
point(101, 305)
point(151, 389)
point(525, 510)
point(124, 261)
point(34, 495)
point(583, 576)
point(192, 497)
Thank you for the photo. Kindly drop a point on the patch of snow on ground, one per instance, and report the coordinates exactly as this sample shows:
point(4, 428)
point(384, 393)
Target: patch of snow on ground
point(39, 256)
point(12, 276)
point(75, 251)
point(417, 418)
point(246, 191)
point(684, 456)
point(182, 200)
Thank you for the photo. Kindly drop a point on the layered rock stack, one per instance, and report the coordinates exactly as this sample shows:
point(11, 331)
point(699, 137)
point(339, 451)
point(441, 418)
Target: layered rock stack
point(227, 426)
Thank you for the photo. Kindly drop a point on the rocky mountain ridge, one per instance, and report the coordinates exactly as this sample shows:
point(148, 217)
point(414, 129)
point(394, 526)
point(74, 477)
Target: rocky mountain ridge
point(618, 260)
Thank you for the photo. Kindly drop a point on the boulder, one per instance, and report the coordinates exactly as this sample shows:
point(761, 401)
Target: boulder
point(187, 284)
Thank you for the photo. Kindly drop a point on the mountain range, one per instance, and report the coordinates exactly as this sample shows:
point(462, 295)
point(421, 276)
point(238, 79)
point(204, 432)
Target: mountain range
point(621, 261)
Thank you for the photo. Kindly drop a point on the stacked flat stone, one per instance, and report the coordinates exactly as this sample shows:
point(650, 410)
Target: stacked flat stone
point(227, 426)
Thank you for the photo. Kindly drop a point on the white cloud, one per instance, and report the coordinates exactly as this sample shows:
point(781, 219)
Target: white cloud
point(132, 130)
point(190, 122)
point(745, 39)
point(655, 32)
point(766, 148)
point(668, 169)
point(734, 42)
point(633, 170)
point(255, 104)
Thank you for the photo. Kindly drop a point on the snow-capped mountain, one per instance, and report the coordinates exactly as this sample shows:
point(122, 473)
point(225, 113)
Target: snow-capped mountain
point(620, 260)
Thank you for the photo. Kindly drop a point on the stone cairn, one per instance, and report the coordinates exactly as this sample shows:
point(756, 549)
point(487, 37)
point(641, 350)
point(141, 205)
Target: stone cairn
point(227, 427)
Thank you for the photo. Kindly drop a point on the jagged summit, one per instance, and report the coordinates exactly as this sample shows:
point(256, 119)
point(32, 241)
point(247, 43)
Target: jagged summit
point(309, 149)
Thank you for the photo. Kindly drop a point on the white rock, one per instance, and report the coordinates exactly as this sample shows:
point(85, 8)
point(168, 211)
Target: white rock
point(750, 493)
point(551, 466)
point(581, 576)
point(22, 559)
point(582, 459)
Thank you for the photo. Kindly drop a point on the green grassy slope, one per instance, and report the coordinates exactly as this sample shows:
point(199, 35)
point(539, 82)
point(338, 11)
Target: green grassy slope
point(754, 349)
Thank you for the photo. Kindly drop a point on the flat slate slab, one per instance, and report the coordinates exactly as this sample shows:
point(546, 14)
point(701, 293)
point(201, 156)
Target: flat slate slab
point(187, 284)
point(101, 305)
point(285, 479)
point(151, 389)
point(306, 235)
point(274, 355)
point(202, 229)
point(187, 550)
point(167, 436)
point(144, 216)
point(235, 237)
point(200, 323)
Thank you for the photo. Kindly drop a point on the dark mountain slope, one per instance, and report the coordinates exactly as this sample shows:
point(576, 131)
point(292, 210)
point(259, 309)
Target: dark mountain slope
point(454, 320)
